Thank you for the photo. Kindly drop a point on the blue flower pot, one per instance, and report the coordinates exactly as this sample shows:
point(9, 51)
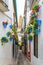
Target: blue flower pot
point(30, 41)
point(38, 32)
point(39, 22)
point(10, 26)
point(10, 39)
point(30, 30)
point(7, 35)
point(5, 25)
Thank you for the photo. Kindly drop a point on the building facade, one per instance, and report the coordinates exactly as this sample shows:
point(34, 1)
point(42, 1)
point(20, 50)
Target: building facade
point(35, 47)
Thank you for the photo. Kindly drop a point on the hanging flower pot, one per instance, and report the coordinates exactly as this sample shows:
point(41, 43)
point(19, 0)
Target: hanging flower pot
point(4, 40)
point(8, 34)
point(30, 38)
point(39, 22)
point(33, 19)
point(34, 29)
point(37, 31)
point(36, 7)
point(5, 24)
point(29, 29)
point(10, 39)
point(35, 25)
point(14, 29)
point(10, 26)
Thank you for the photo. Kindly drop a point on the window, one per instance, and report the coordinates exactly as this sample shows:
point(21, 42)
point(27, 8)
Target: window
point(36, 46)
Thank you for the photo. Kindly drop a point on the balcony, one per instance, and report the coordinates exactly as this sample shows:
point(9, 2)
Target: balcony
point(4, 5)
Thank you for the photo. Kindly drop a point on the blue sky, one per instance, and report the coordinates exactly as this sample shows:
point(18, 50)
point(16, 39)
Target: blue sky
point(20, 7)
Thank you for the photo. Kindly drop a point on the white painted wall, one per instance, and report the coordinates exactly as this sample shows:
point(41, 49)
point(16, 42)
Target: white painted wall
point(11, 9)
point(39, 60)
point(27, 13)
point(6, 50)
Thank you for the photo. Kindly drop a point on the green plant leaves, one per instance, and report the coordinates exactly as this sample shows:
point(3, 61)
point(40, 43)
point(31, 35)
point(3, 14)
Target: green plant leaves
point(4, 40)
point(36, 7)
point(30, 37)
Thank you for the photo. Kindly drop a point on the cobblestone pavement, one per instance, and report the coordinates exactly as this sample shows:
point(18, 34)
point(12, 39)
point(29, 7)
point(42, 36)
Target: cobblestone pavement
point(21, 60)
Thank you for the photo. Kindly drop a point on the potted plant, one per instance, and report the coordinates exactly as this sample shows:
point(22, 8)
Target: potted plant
point(5, 24)
point(8, 34)
point(11, 26)
point(10, 38)
point(29, 29)
point(36, 7)
point(34, 30)
point(32, 19)
point(39, 22)
point(37, 31)
point(4, 40)
point(14, 29)
point(35, 25)
point(30, 38)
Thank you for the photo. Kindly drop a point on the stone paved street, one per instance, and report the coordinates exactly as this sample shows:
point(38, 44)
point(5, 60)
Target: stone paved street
point(21, 60)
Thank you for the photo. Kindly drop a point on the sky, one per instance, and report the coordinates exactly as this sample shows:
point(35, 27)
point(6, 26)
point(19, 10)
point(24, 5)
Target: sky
point(20, 7)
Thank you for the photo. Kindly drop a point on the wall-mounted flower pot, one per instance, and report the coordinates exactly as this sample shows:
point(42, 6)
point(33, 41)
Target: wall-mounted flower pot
point(10, 26)
point(5, 25)
point(35, 25)
point(36, 7)
point(8, 34)
point(30, 38)
point(37, 31)
point(30, 30)
point(10, 39)
point(39, 22)
point(4, 40)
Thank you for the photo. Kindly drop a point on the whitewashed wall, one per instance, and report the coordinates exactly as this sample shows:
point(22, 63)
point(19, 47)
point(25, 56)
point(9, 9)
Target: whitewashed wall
point(39, 60)
point(6, 50)
point(11, 9)
point(27, 13)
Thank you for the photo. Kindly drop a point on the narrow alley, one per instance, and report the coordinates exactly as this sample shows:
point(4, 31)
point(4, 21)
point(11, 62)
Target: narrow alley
point(21, 32)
